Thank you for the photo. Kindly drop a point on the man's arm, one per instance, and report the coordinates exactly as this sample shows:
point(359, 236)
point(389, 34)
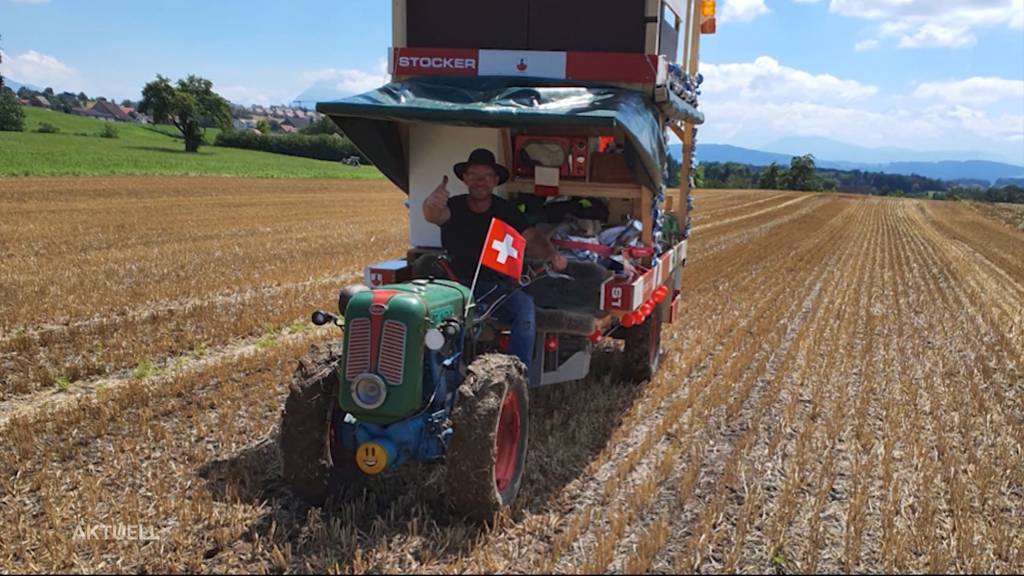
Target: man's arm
point(435, 207)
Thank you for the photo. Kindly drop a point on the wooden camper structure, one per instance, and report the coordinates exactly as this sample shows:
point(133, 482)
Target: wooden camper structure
point(461, 71)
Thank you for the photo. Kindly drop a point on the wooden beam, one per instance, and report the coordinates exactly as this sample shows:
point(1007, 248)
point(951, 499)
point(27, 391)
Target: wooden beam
point(692, 62)
point(687, 30)
point(646, 204)
point(577, 188)
point(398, 23)
point(694, 38)
point(652, 10)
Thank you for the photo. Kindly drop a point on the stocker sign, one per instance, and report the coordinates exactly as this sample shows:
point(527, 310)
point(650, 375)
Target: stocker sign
point(581, 66)
point(435, 62)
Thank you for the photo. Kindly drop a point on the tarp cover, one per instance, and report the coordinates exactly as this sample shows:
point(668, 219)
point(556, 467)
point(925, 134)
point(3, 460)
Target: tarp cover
point(371, 120)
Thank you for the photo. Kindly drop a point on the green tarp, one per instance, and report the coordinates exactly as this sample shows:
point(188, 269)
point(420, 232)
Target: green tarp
point(371, 120)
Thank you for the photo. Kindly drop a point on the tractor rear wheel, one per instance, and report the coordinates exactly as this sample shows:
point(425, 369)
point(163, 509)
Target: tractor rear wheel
point(643, 348)
point(490, 430)
point(310, 413)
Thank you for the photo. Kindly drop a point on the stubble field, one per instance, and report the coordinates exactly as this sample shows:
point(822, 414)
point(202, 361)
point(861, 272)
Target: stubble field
point(845, 392)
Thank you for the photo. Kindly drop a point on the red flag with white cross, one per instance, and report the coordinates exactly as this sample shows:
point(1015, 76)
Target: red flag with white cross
point(504, 249)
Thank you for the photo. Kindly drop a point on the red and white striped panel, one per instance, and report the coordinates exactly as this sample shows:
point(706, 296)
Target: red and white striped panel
point(357, 356)
point(391, 364)
point(581, 66)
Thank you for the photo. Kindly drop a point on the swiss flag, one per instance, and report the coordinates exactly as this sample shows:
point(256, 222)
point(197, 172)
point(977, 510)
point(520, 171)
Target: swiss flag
point(504, 249)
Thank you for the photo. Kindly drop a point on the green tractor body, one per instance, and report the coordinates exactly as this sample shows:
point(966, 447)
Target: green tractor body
point(385, 331)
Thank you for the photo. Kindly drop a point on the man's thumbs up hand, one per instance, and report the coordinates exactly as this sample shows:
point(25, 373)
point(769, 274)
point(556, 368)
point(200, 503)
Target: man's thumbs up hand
point(439, 197)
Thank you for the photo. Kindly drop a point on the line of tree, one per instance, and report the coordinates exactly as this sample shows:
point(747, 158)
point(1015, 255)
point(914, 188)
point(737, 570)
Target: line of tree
point(319, 146)
point(12, 118)
point(802, 174)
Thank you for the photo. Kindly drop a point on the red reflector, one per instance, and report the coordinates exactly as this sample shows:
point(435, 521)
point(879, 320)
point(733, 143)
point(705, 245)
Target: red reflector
point(551, 344)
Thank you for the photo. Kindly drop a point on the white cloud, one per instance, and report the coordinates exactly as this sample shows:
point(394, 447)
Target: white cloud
point(957, 121)
point(309, 86)
point(349, 80)
point(968, 13)
point(748, 104)
point(976, 90)
point(746, 123)
point(255, 95)
point(334, 83)
point(933, 23)
point(765, 79)
point(865, 45)
point(34, 68)
point(934, 35)
point(743, 10)
point(742, 124)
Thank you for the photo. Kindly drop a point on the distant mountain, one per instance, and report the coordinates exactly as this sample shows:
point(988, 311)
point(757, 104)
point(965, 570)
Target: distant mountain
point(943, 170)
point(330, 89)
point(827, 148)
point(727, 153)
point(15, 85)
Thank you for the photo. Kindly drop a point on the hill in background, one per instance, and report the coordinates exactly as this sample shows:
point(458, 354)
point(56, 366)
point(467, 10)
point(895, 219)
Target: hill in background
point(77, 149)
point(952, 170)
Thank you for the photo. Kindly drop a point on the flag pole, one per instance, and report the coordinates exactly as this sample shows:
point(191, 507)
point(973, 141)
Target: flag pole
point(480, 261)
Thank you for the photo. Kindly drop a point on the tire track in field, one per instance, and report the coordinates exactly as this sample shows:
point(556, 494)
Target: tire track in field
point(27, 407)
point(713, 245)
point(699, 388)
point(584, 493)
point(940, 306)
point(148, 312)
point(718, 223)
point(715, 519)
point(741, 205)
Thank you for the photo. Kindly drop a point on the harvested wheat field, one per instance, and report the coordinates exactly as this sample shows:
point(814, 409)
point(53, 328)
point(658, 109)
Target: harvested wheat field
point(846, 393)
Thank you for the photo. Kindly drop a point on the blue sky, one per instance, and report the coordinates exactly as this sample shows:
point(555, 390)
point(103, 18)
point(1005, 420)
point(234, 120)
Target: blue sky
point(920, 74)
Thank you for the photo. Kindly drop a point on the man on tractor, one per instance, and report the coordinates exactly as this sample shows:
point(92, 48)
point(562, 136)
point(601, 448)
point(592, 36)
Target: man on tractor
point(464, 222)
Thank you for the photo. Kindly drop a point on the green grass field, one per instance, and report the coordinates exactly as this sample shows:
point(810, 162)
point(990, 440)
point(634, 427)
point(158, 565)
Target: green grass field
point(144, 150)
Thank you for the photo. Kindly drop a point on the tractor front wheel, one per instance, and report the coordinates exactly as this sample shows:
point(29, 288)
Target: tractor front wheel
point(310, 414)
point(643, 348)
point(490, 429)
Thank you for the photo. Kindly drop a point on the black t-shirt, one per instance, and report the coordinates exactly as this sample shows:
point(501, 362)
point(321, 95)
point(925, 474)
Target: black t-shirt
point(463, 235)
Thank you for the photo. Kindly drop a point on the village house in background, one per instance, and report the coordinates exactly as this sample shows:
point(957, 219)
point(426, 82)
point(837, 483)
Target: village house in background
point(279, 118)
point(282, 119)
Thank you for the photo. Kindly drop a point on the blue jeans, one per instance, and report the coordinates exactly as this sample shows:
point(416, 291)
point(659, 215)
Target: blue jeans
point(516, 310)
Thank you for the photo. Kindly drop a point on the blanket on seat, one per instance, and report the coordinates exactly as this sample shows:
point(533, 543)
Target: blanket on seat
point(581, 294)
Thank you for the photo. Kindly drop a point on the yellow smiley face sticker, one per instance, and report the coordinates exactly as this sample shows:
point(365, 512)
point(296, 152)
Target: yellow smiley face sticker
point(371, 458)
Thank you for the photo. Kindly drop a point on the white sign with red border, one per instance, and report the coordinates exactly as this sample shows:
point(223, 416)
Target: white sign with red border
point(580, 66)
point(533, 64)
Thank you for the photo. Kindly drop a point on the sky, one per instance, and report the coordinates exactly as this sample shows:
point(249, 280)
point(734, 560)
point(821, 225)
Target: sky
point(917, 74)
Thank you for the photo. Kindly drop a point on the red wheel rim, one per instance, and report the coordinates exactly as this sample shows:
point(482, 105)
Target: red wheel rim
point(507, 442)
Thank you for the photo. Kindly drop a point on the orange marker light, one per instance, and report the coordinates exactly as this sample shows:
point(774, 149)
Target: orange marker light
point(707, 12)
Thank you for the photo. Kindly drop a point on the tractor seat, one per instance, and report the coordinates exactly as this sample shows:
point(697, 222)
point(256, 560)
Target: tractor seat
point(566, 306)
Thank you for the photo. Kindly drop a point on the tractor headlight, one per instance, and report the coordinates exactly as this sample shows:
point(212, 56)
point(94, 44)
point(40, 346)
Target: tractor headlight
point(369, 391)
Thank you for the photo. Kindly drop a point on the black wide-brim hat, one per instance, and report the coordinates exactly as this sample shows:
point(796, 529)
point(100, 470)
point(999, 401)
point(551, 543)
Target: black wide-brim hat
point(482, 157)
